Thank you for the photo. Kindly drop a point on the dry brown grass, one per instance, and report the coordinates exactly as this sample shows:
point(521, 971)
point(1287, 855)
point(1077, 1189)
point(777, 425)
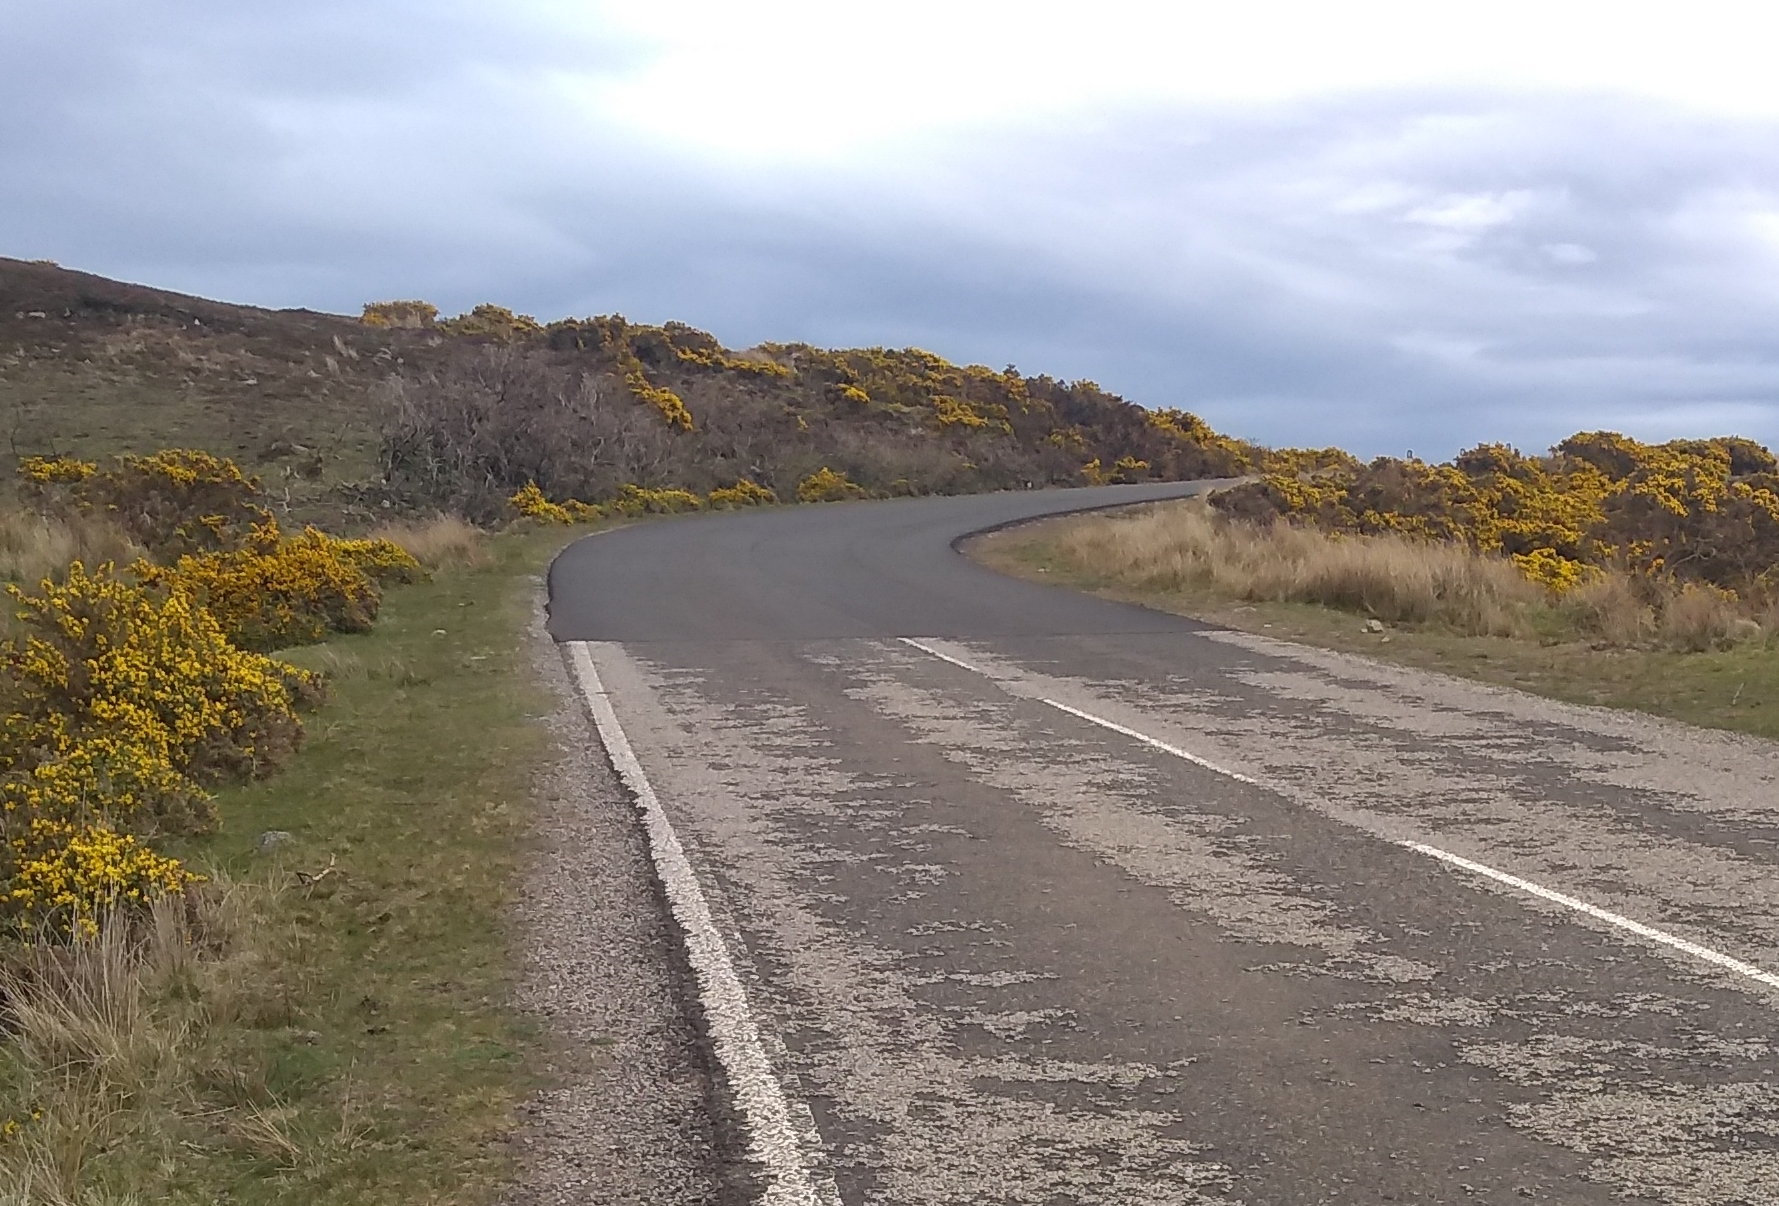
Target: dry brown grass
point(1187, 549)
point(99, 1034)
point(441, 542)
point(34, 547)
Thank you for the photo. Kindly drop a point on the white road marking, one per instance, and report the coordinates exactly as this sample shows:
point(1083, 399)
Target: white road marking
point(758, 1097)
point(1618, 920)
point(945, 657)
point(1599, 914)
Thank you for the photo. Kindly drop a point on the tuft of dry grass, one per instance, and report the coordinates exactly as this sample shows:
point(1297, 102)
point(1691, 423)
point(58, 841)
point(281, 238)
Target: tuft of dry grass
point(34, 547)
point(1697, 617)
point(441, 542)
point(100, 1034)
point(1186, 549)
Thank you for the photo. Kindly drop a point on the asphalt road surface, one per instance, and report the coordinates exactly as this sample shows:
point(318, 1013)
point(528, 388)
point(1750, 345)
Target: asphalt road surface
point(1029, 897)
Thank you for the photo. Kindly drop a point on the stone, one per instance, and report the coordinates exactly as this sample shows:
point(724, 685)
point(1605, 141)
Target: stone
point(1374, 626)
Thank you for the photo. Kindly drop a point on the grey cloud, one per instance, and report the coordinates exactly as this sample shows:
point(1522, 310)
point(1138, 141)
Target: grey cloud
point(1385, 272)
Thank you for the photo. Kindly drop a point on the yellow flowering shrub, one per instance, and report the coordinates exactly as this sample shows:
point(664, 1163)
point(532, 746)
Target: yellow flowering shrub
point(955, 412)
point(123, 699)
point(276, 591)
point(670, 404)
point(531, 502)
point(1551, 569)
point(382, 560)
point(825, 485)
point(744, 493)
point(491, 322)
point(172, 502)
point(121, 703)
point(55, 470)
point(127, 697)
point(412, 314)
point(65, 877)
point(641, 500)
point(1697, 510)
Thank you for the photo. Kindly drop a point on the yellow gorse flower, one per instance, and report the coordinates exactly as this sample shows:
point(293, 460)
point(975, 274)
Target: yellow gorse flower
point(125, 699)
point(1706, 510)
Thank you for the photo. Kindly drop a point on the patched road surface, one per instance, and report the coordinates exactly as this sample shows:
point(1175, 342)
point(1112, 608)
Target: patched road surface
point(1036, 898)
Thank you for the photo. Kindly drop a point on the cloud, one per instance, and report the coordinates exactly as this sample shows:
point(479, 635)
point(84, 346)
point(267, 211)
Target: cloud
point(1414, 266)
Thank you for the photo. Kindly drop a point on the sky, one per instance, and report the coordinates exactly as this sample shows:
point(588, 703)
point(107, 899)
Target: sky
point(1389, 226)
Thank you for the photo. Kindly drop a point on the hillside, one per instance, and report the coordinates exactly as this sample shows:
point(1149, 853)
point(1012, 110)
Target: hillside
point(342, 415)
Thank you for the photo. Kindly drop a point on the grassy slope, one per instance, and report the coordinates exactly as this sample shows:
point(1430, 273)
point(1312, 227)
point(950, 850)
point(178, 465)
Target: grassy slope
point(1736, 689)
point(91, 366)
point(386, 1048)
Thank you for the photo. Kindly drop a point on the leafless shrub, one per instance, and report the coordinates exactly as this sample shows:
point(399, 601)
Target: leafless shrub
point(497, 416)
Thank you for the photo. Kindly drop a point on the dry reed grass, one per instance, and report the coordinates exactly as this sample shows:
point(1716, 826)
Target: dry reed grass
point(441, 542)
point(99, 1034)
point(34, 547)
point(1186, 549)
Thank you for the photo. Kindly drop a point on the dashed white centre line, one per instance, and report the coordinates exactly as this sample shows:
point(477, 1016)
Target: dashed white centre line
point(1647, 932)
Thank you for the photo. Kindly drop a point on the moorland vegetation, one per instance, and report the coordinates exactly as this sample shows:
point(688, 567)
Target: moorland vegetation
point(1604, 540)
point(130, 690)
point(346, 419)
point(161, 599)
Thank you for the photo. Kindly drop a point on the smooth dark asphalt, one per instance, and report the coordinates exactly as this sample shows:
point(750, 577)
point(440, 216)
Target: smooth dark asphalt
point(1005, 952)
point(867, 569)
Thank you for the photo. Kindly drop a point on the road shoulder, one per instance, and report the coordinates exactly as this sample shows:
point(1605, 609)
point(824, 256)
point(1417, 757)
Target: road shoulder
point(626, 1117)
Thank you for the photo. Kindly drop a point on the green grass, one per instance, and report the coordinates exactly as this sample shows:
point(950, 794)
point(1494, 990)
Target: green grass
point(1734, 689)
point(361, 1044)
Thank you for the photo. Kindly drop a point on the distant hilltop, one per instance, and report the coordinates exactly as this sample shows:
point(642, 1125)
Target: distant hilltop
point(402, 405)
point(402, 409)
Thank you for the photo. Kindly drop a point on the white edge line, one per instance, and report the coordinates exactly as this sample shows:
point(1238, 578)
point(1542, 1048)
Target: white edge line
point(1648, 932)
point(757, 1096)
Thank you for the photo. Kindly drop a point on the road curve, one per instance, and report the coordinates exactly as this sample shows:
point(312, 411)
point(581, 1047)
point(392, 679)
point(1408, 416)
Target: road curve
point(1029, 897)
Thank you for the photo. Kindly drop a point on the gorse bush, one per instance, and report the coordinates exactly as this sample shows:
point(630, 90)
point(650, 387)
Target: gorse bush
point(530, 502)
point(584, 408)
point(122, 702)
point(67, 876)
point(743, 493)
point(276, 591)
point(173, 502)
point(634, 500)
point(825, 485)
point(1703, 511)
point(127, 696)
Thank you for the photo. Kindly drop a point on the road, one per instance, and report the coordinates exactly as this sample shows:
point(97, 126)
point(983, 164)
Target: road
point(1029, 897)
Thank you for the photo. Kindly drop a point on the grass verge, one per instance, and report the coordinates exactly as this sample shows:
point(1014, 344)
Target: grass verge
point(1729, 688)
point(340, 1028)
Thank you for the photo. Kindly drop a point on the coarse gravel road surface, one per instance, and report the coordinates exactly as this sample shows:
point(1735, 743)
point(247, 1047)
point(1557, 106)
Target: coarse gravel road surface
point(997, 892)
